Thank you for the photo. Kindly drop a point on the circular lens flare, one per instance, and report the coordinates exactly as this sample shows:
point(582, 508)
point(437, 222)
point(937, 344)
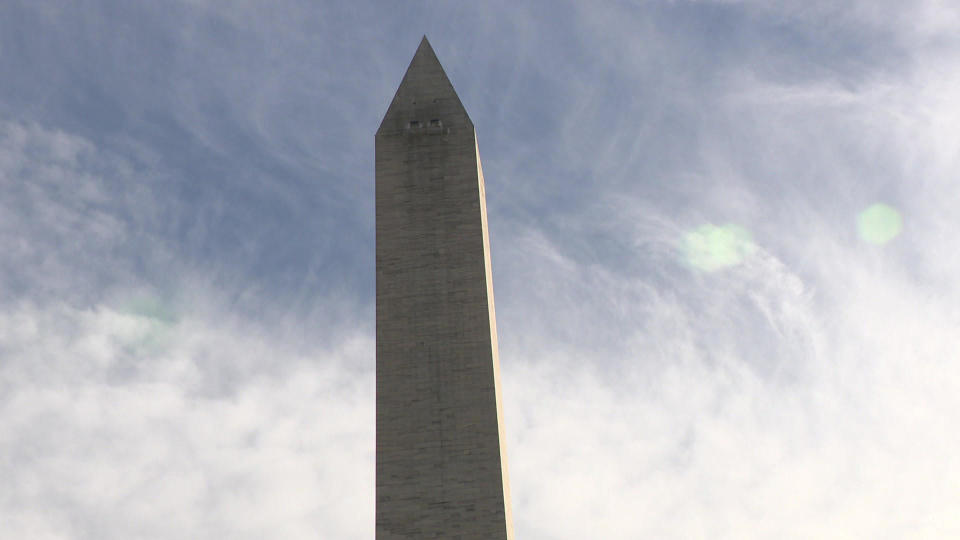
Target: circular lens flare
point(158, 319)
point(879, 224)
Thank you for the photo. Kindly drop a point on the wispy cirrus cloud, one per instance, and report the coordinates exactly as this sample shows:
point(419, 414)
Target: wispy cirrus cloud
point(138, 406)
point(806, 388)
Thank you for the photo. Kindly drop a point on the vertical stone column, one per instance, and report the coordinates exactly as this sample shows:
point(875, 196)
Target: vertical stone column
point(441, 462)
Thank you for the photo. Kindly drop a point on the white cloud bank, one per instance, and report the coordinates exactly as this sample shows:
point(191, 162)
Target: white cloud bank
point(111, 432)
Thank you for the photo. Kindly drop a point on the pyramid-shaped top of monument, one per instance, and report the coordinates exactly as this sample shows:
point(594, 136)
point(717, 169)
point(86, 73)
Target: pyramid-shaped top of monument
point(425, 98)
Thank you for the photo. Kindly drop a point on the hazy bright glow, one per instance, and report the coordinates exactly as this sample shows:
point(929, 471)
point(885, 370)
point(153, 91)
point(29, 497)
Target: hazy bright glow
point(156, 320)
point(711, 247)
point(152, 308)
point(879, 224)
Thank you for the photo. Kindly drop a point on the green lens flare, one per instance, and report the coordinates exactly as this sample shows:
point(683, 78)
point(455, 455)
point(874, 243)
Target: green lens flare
point(159, 319)
point(151, 308)
point(879, 224)
point(711, 247)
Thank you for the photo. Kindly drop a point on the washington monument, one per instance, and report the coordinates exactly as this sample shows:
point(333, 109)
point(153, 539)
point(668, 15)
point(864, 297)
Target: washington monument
point(441, 457)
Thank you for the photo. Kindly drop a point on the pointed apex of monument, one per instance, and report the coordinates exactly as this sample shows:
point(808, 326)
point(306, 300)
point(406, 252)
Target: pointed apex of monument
point(424, 55)
point(426, 49)
point(425, 98)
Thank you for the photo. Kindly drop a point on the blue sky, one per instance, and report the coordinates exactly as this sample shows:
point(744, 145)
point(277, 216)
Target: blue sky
point(723, 240)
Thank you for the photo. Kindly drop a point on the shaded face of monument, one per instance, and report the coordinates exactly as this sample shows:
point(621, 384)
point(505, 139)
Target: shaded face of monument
point(441, 468)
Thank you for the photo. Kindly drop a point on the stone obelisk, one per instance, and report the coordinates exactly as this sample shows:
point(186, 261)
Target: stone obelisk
point(441, 460)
